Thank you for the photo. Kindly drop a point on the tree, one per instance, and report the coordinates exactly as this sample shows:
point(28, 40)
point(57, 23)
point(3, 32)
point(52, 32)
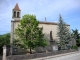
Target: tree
point(63, 34)
point(29, 34)
point(4, 40)
point(76, 36)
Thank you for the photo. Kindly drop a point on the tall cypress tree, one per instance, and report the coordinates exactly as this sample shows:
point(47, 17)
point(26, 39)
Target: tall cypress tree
point(63, 34)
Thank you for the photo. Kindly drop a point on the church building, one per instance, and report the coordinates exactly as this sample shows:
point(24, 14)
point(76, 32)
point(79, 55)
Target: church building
point(49, 28)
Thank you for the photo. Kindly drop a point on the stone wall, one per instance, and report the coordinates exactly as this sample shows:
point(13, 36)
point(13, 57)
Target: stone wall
point(37, 55)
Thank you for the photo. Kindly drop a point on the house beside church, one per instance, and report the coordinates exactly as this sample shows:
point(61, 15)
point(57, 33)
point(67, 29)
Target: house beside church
point(49, 28)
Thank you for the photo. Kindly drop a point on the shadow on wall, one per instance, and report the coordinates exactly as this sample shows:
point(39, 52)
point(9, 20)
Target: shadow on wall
point(51, 43)
point(47, 36)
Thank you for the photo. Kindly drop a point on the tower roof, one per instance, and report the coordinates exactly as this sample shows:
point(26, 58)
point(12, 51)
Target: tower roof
point(16, 7)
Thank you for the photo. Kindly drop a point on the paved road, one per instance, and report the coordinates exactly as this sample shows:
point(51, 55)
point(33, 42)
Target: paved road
point(75, 56)
point(66, 56)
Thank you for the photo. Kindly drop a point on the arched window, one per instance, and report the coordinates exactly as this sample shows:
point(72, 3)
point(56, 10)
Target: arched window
point(51, 38)
point(14, 14)
point(17, 14)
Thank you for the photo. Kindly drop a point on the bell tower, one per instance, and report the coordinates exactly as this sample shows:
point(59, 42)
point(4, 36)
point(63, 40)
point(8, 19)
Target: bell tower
point(15, 17)
point(16, 12)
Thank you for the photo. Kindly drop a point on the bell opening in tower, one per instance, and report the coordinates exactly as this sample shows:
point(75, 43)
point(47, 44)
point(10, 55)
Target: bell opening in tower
point(18, 14)
point(14, 15)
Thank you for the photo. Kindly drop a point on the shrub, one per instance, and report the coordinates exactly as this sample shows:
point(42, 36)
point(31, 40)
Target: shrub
point(75, 47)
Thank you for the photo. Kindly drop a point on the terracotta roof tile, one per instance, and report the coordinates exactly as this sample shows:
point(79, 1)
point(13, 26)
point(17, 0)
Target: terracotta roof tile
point(16, 7)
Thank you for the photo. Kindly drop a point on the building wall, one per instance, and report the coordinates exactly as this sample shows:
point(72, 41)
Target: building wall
point(46, 30)
point(47, 27)
point(16, 25)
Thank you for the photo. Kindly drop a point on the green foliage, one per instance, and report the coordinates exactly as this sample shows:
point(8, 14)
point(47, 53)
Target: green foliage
point(75, 47)
point(63, 34)
point(28, 33)
point(4, 40)
point(76, 36)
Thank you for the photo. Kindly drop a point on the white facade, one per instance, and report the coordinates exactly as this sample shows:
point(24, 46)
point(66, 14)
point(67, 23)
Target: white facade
point(47, 27)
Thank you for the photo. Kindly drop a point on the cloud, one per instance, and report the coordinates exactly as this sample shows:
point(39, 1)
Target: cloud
point(41, 8)
point(46, 8)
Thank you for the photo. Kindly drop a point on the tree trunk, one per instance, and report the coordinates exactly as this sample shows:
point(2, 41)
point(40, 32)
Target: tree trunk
point(30, 50)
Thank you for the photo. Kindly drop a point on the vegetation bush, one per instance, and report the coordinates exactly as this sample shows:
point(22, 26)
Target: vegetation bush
point(4, 40)
point(75, 47)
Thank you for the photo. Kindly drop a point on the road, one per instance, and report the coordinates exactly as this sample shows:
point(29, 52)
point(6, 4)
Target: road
point(66, 56)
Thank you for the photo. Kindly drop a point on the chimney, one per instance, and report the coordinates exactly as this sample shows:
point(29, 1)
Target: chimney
point(45, 19)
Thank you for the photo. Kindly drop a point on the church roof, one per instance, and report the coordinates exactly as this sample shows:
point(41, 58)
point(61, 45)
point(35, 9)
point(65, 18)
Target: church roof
point(16, 7)
point(43, 22)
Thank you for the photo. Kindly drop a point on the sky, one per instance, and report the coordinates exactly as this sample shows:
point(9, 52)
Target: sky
point(69, 10)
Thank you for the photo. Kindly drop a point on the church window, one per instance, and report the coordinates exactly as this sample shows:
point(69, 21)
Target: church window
point(14, 14)
point(17, 14)
point(51, 38)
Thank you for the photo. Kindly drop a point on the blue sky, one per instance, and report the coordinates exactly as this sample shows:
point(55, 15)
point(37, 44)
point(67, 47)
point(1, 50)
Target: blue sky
point(69, 9)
